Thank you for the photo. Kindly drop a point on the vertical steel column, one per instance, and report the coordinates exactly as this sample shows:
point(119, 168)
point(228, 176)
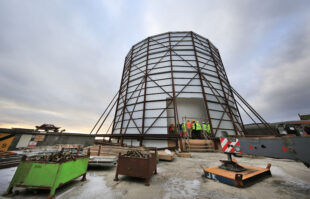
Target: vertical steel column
point(176, 116)
point(223, 88)
point(145, 85)
point(124, 105)
point(172, 82)
point(202, 86)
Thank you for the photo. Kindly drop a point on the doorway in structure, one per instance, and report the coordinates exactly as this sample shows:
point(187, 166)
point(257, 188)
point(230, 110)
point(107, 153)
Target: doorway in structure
point(188, 109)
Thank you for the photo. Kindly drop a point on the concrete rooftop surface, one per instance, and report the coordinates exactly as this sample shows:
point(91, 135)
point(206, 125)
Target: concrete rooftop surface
point(181, 178)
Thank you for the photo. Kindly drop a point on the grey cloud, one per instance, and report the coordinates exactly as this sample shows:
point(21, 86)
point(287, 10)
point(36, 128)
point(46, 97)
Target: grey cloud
point(62, 61)
point(284, 89)
point(257, 39)
point(50, 60)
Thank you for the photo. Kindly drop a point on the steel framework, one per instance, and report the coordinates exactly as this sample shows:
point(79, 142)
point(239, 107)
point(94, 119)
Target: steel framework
point(162, 70)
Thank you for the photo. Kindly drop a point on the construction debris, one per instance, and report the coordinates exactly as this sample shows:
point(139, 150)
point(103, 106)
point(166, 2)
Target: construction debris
point(137, 154)
point(99, 150)
point(54, 157)
point(54, 148)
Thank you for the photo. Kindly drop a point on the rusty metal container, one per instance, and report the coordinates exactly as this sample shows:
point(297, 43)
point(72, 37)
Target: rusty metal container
point(139, 167)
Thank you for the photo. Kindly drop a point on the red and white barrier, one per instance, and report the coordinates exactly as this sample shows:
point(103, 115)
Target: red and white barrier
point(230, 145)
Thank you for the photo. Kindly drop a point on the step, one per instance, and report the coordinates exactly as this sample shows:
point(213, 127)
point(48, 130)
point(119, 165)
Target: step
point(192, 141)
point(201, 150)
point(211, 145)
point(200, 147)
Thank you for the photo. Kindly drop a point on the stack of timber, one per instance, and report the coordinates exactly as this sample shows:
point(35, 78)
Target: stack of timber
point(105, 150)
point(192, 145)
point(9, 159)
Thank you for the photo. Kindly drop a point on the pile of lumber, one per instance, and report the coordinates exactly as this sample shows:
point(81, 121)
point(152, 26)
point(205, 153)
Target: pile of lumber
point(99, 150)
point(9, 159)
point(7, 153)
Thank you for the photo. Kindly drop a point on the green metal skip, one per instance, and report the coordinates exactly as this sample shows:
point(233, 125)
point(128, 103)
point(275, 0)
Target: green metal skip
point(51, 175)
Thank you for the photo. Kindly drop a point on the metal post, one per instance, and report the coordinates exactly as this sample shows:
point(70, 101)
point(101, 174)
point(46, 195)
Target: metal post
point(176, 116)
point(145, 85)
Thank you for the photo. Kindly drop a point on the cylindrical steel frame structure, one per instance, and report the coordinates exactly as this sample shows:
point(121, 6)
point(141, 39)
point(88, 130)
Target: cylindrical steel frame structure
point(169, 78)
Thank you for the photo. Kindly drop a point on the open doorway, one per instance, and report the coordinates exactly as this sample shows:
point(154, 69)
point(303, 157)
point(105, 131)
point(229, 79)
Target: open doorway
point(188, 109)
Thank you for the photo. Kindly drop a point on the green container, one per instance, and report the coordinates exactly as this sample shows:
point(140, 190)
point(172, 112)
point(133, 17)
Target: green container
point(42, 175)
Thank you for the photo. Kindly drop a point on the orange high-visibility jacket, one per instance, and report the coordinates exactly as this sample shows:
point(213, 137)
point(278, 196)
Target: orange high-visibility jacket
point(188, 125)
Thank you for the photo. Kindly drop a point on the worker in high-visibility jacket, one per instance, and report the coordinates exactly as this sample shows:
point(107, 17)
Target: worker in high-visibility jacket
point(204, 130)
point(198, 130)
point(171, 129)
point(189, 128)
point(193, 134)
point(208, 130)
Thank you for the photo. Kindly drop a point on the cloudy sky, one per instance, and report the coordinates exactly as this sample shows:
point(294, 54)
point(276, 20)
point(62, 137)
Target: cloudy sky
point(61, 61)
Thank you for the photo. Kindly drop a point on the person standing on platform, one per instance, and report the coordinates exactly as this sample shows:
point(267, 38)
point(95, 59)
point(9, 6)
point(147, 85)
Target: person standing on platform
point(204, 130)
point(198, 130)
point(184, 130)
point(172, 129)
point(189, 128)
point(209, 131)
point(193, 129)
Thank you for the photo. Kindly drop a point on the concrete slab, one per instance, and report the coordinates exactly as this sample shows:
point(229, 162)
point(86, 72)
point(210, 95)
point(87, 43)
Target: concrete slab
point(181, 178)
